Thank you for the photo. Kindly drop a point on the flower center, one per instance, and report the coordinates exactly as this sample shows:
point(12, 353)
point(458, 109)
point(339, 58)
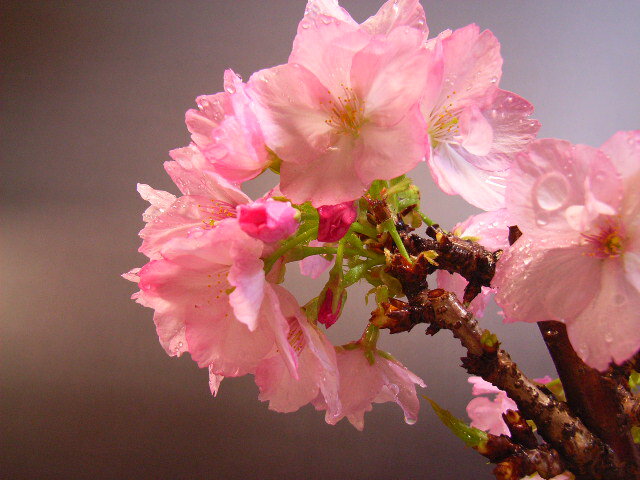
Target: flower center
point(216, 210)
point(443, 124)
point(346, 113)
point(608, 241)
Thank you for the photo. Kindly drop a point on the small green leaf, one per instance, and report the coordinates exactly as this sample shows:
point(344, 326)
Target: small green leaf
point(472, 437)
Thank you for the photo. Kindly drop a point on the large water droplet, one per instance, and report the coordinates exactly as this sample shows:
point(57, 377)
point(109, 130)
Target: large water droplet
point(410, 421)
point(551, 191)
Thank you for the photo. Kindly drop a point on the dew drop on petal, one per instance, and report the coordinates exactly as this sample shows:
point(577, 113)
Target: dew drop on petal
point(410, 421)
point(494, 80)
point(551, 191)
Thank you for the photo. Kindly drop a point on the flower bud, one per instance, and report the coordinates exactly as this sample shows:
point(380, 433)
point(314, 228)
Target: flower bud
point(268, 220)
point(330, 310)
point(335, 220)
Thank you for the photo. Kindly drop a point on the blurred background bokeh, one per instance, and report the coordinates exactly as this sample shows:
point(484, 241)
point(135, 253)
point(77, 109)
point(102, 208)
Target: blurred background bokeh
point(93, 96)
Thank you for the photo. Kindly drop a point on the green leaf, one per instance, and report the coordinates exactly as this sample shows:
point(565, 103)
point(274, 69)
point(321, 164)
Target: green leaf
point(472, 437)
point(634, 379)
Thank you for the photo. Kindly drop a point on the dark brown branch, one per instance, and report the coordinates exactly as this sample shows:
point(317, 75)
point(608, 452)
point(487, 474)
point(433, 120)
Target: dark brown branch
point(585, 454)
point(455, 255)
point(593, 397)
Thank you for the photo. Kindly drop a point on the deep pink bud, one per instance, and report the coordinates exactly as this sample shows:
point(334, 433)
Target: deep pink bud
point(335, 220)
point(268, 220)
point(326, 313)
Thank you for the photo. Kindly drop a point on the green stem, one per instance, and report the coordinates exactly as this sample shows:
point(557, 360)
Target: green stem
point(287, 245)
point(390, 226)
point(365, 230)
point(398, 187)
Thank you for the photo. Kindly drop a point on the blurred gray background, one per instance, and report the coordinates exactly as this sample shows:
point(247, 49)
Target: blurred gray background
point(93, 96)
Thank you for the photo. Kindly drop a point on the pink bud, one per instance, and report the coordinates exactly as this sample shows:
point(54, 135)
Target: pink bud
point(335, 220)
point(326, 314)
point(268, 220)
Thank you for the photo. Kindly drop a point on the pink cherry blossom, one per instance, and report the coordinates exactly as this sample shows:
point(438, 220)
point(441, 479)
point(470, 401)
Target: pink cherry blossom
point(335, 221)
point(485, 413)
point(362, 384)
point(207, 199)
point(578, 209)
point(474, 127)
point(489, 229)
point(317, 366)
point(342, 108)
point(268, 220)
point(211, 299)
point(227, 132)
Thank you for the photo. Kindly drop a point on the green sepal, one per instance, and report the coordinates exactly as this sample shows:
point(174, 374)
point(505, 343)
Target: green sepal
point(634, 379)
point(472, 437)
point(555, 387)
point(635, 432)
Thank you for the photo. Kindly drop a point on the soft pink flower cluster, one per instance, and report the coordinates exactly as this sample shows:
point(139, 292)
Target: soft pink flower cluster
point(356, 103)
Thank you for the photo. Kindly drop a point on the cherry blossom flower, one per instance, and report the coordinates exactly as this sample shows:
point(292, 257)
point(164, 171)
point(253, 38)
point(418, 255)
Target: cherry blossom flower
point(342, 108)
point(486, 414)
point(578, 209)
point(226, 130)
point(474, 127)
point(207, 199)
point(335, 221)
point(362, 384)
point(317, 372)
point(489, 229)
point(268, 220)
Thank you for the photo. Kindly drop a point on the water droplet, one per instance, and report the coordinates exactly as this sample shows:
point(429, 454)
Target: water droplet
point(230, 89)
point(494, 80)
point(305, 25)
point(551, 191)
point(608, 337)
point(410, 421)
point(326, 20)
point(509, 99)
point(394, 389)
point(541, 221)
point(526, 261)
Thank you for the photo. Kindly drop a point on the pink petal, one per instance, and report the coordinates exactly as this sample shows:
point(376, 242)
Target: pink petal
point(456, 283)
point(486, 415)
point(377, 153)
point(268, 220)
point(329, 8)
point(325, 46)
point(473, 66)
point(563, 279)
point(491, 229)
point(624, 150)
point(389, 74)
point(394, 14)
point(456, 176)
point(477, 134)
point(512, 129)
point(315, 265)
point(335, 221)
point(608, 329)
point(160, 201)
point(291, 100)
point(340, 182)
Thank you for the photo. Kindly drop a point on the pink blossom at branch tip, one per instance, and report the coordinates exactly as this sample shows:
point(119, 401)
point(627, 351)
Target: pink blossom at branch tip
point(485, 413)
point(563, 476)
point(343, 107)
point(268, 220)
point(226, 130)
point(335, 220)
point(578, 209)
point(362, 384)
point(475, 128)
